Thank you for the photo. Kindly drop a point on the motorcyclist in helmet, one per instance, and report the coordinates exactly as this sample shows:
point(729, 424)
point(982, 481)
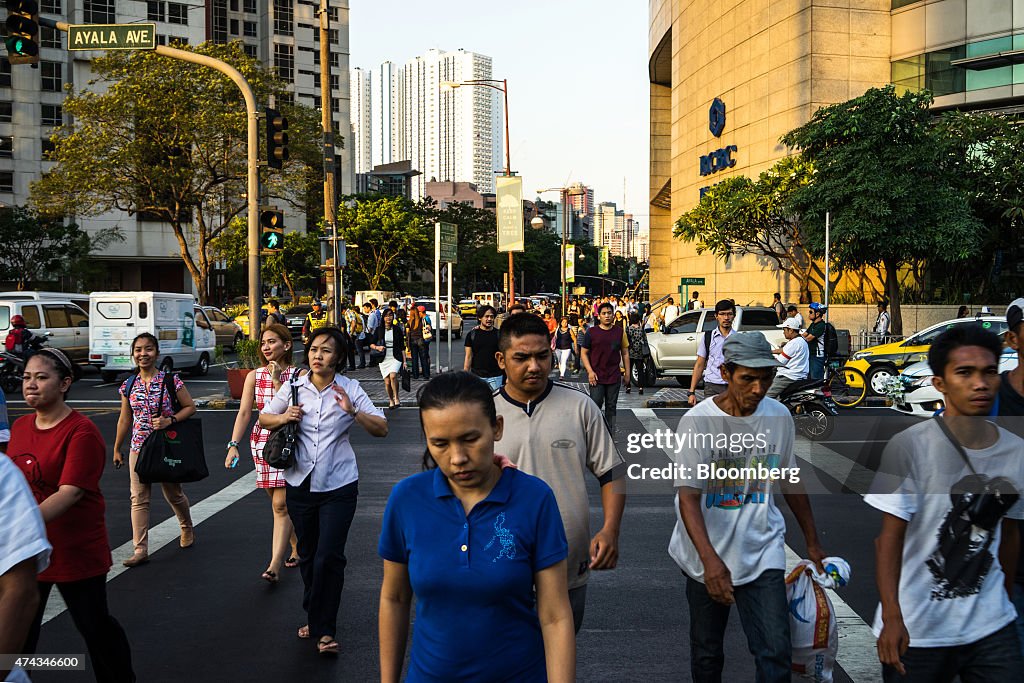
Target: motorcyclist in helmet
point(18, 338)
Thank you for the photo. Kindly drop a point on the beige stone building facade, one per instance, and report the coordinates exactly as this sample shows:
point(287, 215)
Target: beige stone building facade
point(750, 71)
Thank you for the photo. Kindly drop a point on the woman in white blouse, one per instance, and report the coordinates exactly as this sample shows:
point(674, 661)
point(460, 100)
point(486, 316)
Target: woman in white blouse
point(322, 485)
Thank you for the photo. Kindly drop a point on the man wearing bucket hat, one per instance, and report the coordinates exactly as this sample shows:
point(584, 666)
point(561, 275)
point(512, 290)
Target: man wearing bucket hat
point(794, 356)
point(729, 537)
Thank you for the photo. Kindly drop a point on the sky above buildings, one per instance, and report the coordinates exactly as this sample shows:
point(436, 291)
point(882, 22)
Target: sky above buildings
point(577, 80)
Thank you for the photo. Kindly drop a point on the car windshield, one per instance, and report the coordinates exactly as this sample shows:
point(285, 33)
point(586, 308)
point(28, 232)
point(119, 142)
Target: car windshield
point(929, 336)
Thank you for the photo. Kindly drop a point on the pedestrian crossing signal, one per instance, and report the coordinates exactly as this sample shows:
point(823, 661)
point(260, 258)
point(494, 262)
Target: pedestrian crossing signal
point(271, 229)
point(22, 25)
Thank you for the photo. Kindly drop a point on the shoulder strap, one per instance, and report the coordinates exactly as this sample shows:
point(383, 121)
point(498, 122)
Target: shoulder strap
point(707, 342)
point(295, 391)
point(169, 387)
point(956, 444)
point(131, 383)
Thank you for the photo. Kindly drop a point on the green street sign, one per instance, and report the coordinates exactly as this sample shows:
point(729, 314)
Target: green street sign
point(447, 242)
point(112, 37)
point(685, 281)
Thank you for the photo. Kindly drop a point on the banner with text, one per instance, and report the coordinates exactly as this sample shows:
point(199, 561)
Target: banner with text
point(570, 263)
point(510, 213)
point(602, 261)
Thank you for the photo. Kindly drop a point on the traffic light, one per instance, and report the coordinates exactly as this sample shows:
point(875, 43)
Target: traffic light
point(277, 138)
point(271, 229)
point(22, 31)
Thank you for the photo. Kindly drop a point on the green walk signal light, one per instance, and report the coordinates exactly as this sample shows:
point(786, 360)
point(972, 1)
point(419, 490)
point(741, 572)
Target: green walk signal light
point(22, 24)
point(277, 138)
point(271, 229)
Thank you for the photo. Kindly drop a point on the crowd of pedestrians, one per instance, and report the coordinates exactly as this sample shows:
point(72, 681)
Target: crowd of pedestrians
point(508, 450)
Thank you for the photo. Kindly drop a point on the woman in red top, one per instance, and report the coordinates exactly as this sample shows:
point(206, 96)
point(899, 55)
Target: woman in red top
point(62, 454)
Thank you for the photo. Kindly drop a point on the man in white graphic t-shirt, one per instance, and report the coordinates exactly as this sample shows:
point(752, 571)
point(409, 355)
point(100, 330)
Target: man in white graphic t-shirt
point(729, 537)
point(948, 488)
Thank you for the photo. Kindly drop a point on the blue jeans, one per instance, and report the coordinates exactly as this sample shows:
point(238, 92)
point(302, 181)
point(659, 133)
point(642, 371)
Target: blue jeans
point(420, 359)
point(993, 658)
point(764, 616)
point(322, 521)
point(606, 396)
point(817, 368)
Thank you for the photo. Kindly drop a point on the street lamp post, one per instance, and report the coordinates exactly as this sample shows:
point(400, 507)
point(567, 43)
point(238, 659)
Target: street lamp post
point(574, 190)
point(503, 88)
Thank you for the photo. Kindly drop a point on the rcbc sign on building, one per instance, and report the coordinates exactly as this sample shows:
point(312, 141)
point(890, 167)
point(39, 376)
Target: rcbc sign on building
point(721, 158)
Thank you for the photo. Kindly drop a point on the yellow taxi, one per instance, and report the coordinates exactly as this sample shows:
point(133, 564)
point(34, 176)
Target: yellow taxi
point(242, 320)
point(883, 362)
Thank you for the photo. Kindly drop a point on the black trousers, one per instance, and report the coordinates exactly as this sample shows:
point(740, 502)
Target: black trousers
point(322, 521)
point(109, 651)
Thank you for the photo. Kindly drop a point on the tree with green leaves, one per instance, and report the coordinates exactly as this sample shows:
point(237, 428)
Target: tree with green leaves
point(984, 155)
point(166, 140)
point(741, 216)
point(296, 264)
point(386, 235)
point(879, 172)
point(38, 249)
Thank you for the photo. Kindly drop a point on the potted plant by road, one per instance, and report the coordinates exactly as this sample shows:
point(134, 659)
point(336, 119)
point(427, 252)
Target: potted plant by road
point(248, 360)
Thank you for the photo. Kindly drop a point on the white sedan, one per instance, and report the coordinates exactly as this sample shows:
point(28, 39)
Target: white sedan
point(918, 397)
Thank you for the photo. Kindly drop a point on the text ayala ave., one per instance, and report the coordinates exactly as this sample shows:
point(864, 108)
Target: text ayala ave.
point(112, 37)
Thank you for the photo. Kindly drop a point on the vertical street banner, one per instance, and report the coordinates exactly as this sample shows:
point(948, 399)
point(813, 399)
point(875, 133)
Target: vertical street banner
point(570, 263)
point(510, 213)
point(602, 261)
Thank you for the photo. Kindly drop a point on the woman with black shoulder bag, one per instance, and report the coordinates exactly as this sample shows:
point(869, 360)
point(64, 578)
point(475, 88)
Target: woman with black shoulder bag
point(322, 483)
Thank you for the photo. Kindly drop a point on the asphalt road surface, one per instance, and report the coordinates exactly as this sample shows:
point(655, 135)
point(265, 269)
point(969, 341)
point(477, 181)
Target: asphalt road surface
point(204, 614)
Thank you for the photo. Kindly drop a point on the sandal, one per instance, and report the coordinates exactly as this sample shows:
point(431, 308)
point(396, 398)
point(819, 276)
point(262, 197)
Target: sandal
point(291, 562)
point(270, 576)
point(303, 632)
point(327, 645)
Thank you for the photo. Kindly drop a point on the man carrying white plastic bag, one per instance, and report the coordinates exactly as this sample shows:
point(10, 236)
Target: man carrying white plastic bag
point(812, 621)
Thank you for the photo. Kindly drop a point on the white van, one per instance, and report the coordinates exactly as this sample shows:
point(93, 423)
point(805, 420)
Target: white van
point(187, 338)
point(496, 299)
point(66, 323)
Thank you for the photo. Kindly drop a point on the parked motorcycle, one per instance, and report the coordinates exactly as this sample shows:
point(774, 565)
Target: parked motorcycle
point(811, 405)
point(12, 365)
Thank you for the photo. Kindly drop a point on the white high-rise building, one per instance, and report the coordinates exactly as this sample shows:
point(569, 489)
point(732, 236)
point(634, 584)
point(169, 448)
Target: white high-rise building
point(608, 222)
point(362, 121)
point(282, 34)
point(388, 118)
point(448, 133)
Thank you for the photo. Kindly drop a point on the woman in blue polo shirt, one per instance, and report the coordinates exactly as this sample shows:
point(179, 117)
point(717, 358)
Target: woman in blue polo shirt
point(474, 543)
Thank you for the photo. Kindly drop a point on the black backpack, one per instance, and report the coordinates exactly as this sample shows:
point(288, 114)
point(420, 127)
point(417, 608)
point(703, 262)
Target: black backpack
point(831, 341)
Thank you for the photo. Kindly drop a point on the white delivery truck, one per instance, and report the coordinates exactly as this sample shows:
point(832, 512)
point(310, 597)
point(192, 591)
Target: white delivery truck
point(187, 338)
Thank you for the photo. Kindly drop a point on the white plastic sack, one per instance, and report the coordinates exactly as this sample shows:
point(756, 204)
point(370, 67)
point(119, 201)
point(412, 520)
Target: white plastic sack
point(812, 622)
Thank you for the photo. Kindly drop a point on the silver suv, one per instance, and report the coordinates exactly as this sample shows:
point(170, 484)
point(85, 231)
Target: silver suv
point(674, 348)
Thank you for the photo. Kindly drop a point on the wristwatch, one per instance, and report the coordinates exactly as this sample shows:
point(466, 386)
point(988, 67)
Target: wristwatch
point(355, 412)
point(232, 444)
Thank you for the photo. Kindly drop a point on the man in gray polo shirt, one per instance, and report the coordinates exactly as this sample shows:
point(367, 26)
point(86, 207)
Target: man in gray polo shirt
point(709, 355)
point(557, 433)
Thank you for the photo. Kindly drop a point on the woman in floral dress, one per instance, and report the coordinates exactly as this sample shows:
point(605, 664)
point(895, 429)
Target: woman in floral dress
point(260, 386)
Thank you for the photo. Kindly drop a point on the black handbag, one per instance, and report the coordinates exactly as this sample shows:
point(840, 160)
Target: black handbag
point(283, 444)
point(173, 455)
point(406, 378)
